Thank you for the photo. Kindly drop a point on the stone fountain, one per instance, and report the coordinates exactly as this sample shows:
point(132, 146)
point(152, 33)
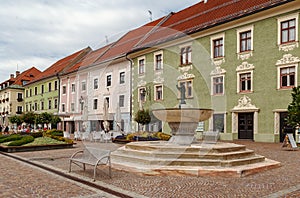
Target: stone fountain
point(183, 155)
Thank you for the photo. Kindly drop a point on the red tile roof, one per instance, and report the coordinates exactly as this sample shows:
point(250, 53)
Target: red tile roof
point(62, 64)
point(128, 41)
point(206, 15)
point(28, 75)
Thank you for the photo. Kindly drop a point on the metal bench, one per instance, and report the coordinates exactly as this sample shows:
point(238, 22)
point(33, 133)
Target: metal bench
point(91, 156)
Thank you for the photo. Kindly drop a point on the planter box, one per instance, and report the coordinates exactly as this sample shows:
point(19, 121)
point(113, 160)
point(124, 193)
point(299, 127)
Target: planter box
point(12, 149)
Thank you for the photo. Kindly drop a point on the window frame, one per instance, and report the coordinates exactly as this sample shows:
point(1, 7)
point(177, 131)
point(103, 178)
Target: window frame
point(143, 66)
point(96, 83)
point(122, 76)
point(247, 80)
point(224, 121)
point(280, 87)
point(248, 53)
point(123, 101)
point(73, 88)
point(108, 80)
point(158, 61)
point(186, 55)
point(140, 94)
point(214, 84)
point(83, 85)
point(156, 92)
point(64, 89)
point(95, 103)
point(292, 44)
point(212, 44)
point(187, 88)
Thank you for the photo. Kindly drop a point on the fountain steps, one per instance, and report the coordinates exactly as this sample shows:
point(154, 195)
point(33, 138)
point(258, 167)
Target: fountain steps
point(219, 159)
point(186, 154)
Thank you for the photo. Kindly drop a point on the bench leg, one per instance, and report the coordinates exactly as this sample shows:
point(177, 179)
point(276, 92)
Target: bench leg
point(84, 166)
point(95, 168)
point(109, 167)
point(70, 166)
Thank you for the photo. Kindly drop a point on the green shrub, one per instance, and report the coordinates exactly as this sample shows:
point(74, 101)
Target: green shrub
point(54, 132)
point(10, 138)
point(37, 134)
point(25, 140)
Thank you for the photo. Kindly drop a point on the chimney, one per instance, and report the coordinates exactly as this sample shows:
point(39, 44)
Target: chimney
point(12, 75)
point(17, 73)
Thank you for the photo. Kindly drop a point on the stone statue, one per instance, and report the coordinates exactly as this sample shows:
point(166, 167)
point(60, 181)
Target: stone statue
point(181, 88)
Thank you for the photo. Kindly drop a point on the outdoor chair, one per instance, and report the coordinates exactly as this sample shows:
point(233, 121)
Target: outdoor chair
point(67, 135)
point(97, 136)
point(86, 136)
point(77, 135)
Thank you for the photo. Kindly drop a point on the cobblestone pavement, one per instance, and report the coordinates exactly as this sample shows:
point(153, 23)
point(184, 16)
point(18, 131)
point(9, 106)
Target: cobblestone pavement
point(280, 182)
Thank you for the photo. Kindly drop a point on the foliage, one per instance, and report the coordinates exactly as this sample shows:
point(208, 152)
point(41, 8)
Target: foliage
point(145, 136)
point(293, 118)
point(10, 138)
point(54, 132)
point(44, 141)
point(25, 139)
point(142, 117)
point(55, 119)
point(29, 118)
point(37, 134)
point(16, 119)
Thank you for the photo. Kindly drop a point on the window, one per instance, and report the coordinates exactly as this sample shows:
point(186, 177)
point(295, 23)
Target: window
point(20, 97)
point(142, 94)
point(83, 86)
point(121, 100)
point(218, 48)
point(49, 87)
point(158, 61)
point(26, 106)
point(108, 80)
point(73, 88)
point(107, 99)
point(55, 103)
point(64, 89)
point(188, 85)
point(35, 106)
point(55, 85)
point(288, 31)
point(27, 93)
point(95, 104)
point(30, 92)
point(245, 41)
point(245, 82)
point(19, 109)
point(141, 66)
point(96, 83)
point(186, 55)
point(42, 105)
point(72, 106)
point(122, 77)
point(218, 122)
point(287, 77)
point(63, 108)
point(35, 91)
point(218, 85)
point(42, 89)
point(158, 92)
point(49, 104)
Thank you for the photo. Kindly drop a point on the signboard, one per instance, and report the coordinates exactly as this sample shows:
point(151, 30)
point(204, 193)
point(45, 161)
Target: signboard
point(289, 141)
point(200, 127)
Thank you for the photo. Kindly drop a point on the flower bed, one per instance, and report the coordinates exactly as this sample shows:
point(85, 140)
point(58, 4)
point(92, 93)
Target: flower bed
point(142, 136)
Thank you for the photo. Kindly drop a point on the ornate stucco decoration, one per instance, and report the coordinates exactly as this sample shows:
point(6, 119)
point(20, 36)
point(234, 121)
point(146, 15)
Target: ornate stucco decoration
point(158, 80)
point(185, 68)
point(245, 55)
point(288, 59)
point(217, 71)
point(142, 83)
point(218, 62)
point(185, 76)
point(245, 104)
point(289, 46)
point(244, 67)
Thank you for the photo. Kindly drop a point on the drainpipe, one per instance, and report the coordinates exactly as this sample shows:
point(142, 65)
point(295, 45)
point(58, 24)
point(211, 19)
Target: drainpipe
point(130, 89)
point(58, 100)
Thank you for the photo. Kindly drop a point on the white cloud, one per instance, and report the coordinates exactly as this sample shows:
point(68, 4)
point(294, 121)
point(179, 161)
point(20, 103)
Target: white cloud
point(40, 32)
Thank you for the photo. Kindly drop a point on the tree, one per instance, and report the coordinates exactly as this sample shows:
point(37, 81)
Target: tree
point(55, 119)
point(29, 118)
point(16, 120)
point(142, 117)
point(293, 118)
point(45, 118)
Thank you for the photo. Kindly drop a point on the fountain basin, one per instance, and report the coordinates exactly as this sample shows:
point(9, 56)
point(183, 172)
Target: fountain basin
point(183, 122)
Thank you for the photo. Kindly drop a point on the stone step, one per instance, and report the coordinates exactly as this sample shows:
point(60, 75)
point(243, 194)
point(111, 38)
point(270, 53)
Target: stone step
point(150, 160)
point(189, 155)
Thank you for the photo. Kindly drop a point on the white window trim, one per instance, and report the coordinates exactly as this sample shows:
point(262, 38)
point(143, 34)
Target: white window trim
point(121, 71)
point(239, 81)
point(94, 83)
point(141, 58)
point(212, 85)
point(111, 82)
point(119, 100)
point(73, 92)
point(64, 85)
point(278, 75)
point(289, 46)
point(244, 55)
point(215, 37)
point(185, 81)
point(84, 81)
point(162, 60)
point(139, 91)
point(211, 121)
point(162, 91)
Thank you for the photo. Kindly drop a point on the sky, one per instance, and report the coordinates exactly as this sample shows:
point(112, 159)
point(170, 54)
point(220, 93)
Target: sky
point(40, 32)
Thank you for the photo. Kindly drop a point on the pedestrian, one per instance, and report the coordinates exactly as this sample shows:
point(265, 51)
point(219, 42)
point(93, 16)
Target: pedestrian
point(0, 128)
point(6, 130)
